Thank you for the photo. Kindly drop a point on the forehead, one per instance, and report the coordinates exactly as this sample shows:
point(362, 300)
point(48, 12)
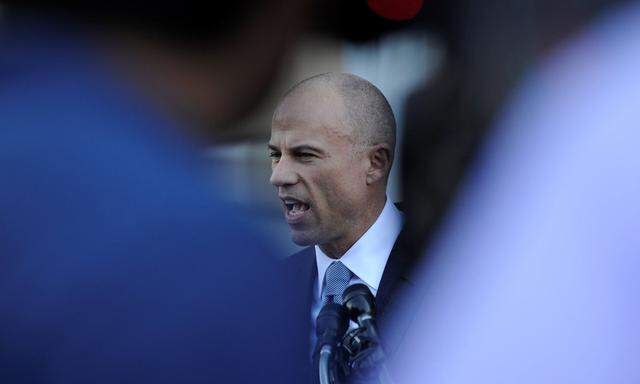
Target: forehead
point(311, 116)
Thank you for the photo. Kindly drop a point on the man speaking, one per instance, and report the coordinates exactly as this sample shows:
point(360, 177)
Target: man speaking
point(331, 148)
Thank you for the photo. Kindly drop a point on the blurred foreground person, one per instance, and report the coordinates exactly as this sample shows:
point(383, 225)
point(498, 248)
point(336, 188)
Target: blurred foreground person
point(117, 262)
point(533, 276)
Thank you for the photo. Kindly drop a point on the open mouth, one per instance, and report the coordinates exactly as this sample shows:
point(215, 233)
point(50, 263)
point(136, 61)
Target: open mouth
point(294, 210)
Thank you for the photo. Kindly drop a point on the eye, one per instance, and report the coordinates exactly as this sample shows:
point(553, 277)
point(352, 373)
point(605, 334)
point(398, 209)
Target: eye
point(305, 155)
point(274, 155)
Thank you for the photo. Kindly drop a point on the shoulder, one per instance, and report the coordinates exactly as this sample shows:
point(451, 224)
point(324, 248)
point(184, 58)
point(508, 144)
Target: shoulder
point(301, 260)
point(304, 252)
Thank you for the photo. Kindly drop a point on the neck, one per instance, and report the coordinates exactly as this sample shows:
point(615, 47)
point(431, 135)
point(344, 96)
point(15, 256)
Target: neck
point(337, 248)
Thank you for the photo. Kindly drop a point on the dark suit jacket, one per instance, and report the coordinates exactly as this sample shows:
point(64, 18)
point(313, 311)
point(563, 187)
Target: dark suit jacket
point(395, 285)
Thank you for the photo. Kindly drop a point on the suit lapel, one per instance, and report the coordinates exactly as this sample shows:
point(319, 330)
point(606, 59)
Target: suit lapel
point(396, 285)
point(302, 271)
point(394, 274)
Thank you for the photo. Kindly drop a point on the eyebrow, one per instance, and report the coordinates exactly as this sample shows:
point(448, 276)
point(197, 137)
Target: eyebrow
point(306, 147)
point(299, 148)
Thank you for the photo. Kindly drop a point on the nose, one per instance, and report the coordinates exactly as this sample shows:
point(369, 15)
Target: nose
point(282, 174)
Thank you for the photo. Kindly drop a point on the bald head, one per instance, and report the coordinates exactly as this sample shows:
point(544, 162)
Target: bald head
point(361, 109)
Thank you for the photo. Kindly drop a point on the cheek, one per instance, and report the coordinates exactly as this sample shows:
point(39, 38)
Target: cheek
point(340, 191)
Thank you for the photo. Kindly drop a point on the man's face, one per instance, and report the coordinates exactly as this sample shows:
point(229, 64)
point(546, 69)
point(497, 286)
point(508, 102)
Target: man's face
point(319, 176)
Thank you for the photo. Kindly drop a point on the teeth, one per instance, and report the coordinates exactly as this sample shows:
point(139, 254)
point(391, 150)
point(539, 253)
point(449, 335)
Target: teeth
point(296, 207)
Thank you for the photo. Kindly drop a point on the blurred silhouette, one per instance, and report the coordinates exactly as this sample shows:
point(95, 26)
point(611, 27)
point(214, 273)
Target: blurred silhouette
point(489, 46)
point(117, 261)
point(525, 198)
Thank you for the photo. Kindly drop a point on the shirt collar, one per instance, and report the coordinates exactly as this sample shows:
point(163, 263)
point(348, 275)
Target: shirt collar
point(368, 256)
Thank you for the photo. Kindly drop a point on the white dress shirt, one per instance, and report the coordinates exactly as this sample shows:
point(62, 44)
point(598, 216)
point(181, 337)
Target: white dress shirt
point(366, 258)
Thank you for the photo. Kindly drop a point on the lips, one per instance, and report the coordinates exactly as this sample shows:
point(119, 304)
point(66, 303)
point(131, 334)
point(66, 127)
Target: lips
point(294, 209)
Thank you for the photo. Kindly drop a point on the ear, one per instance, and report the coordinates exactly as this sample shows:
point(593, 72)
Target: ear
point(380, 159)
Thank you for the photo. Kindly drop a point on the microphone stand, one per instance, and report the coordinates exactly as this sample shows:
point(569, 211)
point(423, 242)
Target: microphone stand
point(366, 320)
point(360, 306)
point(324, 365)
point(331, 324)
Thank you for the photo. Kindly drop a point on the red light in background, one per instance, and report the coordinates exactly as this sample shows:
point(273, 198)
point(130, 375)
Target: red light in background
point(396, 9)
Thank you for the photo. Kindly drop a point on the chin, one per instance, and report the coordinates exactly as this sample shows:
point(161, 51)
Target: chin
point(303, 239)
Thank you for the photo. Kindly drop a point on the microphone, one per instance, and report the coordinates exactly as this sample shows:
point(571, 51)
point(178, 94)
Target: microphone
point(361, 308)
point(331, 324)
